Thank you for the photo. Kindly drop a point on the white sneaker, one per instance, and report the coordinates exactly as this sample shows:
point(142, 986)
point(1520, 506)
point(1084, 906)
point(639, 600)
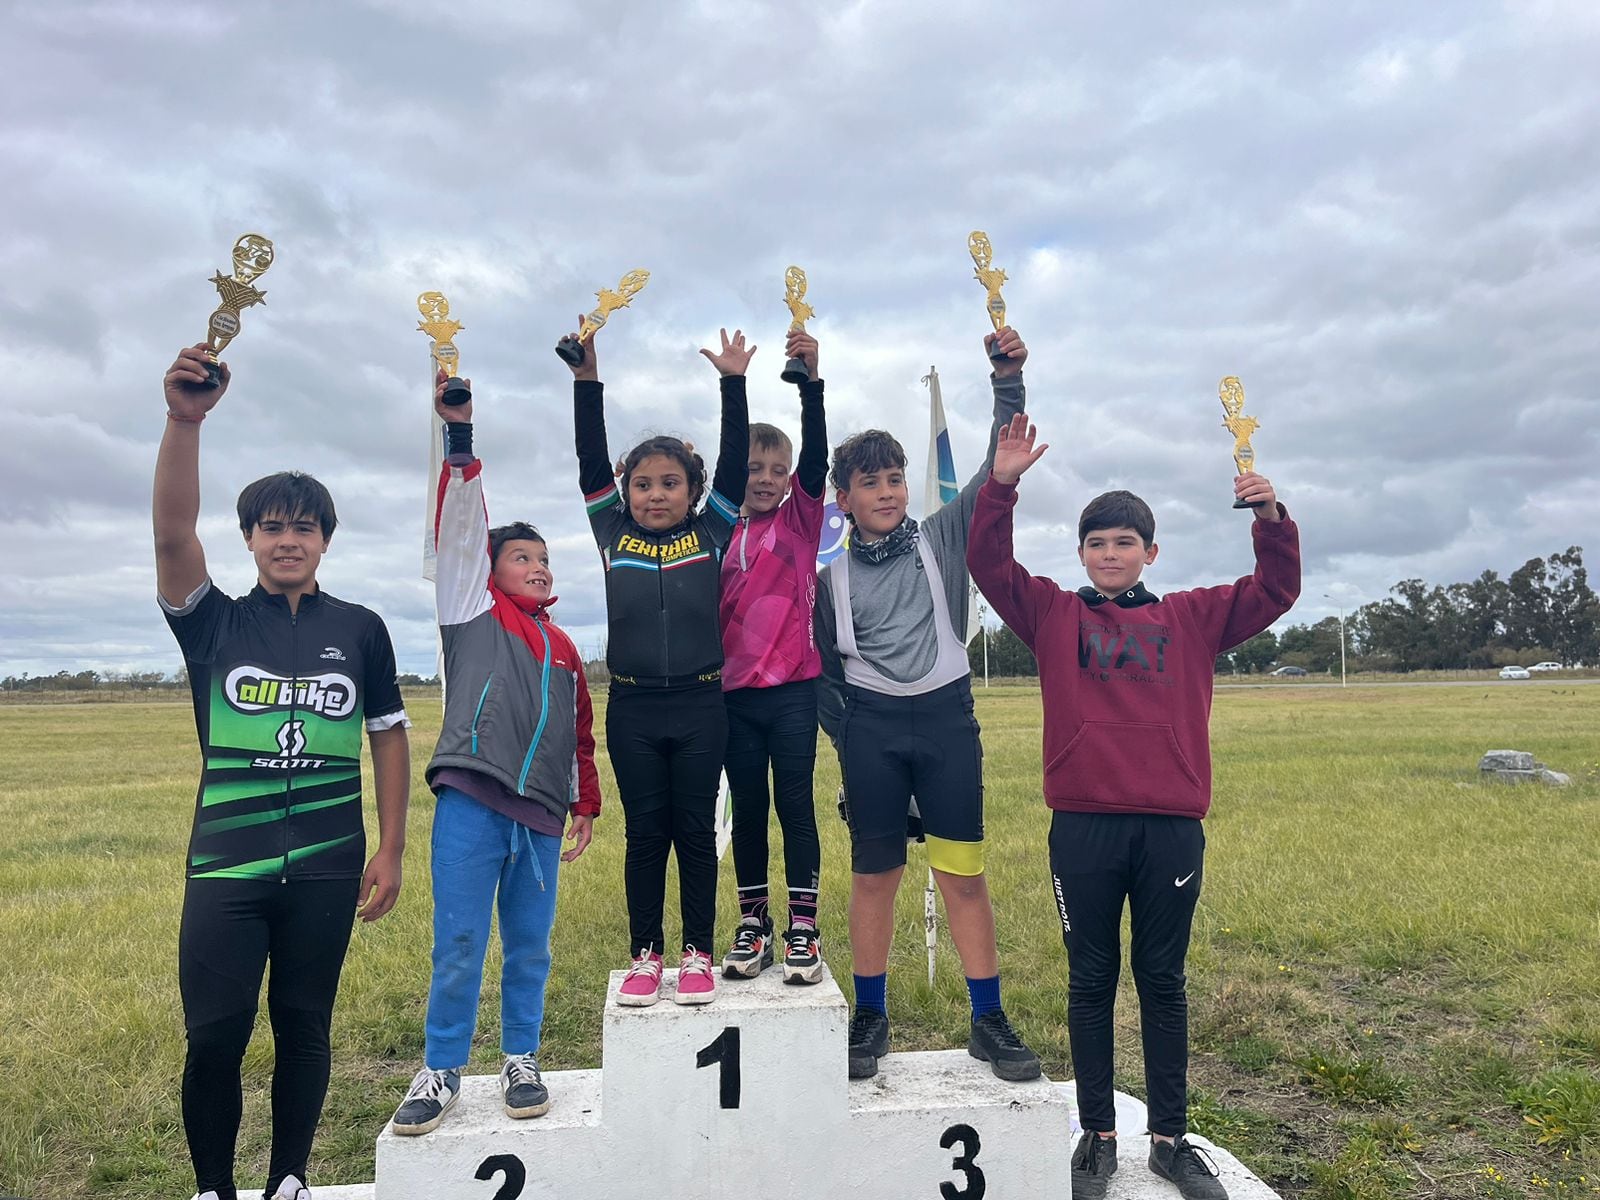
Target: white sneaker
point(291, 1189)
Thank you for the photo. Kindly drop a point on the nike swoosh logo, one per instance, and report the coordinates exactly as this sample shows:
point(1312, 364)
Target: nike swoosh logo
point(1184, 880)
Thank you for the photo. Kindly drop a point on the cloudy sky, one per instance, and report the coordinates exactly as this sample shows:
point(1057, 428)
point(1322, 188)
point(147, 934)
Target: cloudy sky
point(1384, 218)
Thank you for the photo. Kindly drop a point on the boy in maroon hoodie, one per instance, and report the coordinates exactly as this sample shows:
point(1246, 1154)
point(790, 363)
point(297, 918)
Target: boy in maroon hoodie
point(1126, 679)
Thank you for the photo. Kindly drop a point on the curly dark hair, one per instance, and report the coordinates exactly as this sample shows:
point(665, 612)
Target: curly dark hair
point(869, 450)
point(694, 467)
point(517, 531)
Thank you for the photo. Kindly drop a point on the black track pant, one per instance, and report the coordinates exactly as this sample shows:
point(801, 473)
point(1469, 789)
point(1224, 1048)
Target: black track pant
point(231, 929)
point(1156, 863)
point(777, 726)
point(666, 750)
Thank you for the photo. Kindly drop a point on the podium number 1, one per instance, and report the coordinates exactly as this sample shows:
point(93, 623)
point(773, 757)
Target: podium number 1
point(724, 1050)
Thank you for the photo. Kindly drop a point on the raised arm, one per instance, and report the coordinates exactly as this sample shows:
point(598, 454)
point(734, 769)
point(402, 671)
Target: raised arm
point(733, 451)
point(596, 475)
point(175, 502)
point(811, 468)
point(1240, 611)
point(1020, 600)
point(461, 525)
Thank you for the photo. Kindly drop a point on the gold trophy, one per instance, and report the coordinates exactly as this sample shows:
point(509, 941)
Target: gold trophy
point(436, 323)
point(794, 286)
point(252, 255)
point(569, 348)
point(991, 277)
point(1231, 393)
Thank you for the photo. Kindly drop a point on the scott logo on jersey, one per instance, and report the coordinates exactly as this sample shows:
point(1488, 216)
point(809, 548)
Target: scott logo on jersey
point(291, 740)
point(251, 689)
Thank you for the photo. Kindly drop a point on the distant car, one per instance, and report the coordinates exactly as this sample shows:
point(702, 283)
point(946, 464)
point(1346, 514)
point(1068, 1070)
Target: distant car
point(1290, 672)
point(1514, 673)
point(1545, 666)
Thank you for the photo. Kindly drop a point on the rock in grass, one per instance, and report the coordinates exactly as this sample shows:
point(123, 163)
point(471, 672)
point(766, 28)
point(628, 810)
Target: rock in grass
point(1506, 760)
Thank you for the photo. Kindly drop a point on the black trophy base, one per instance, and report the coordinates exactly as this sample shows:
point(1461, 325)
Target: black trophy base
point(456, 393)
point(570, 351)
point(213, 378)
point(794, 371)
point(1249, 503)
point(996, 354)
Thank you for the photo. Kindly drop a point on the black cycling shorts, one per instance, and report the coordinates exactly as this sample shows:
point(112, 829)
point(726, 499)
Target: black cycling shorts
point(892, 748)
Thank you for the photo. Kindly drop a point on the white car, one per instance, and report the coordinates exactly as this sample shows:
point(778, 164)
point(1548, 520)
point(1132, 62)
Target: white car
point(1514, 673)
point(1545, 666)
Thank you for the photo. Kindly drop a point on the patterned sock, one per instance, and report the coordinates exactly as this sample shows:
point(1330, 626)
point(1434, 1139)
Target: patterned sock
point(872, 993)
point(803, 908)
point(985, 994)
point(753, 904)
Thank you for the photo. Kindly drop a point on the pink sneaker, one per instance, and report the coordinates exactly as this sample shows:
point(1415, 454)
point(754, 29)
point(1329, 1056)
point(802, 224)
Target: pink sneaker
point(642, 987)
point(696, 983)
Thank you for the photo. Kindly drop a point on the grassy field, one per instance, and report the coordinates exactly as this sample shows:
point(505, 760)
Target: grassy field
point(1394, 988)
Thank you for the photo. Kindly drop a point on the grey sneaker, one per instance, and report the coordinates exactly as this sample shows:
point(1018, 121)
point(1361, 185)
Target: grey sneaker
point(431, 1095)
point(1094, 1162)
point(1188, 1166)
point(751, 952)
point(522, 1088)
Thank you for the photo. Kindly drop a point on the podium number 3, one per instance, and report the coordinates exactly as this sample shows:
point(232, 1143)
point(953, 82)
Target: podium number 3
point(724, 1050)
point(965, 1162)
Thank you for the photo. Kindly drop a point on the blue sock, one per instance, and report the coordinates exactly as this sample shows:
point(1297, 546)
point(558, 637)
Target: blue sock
point(872, 993)
point(985, 994)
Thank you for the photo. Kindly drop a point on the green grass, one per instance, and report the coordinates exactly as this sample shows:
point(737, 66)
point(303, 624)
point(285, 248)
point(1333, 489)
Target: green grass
point(1369, 908)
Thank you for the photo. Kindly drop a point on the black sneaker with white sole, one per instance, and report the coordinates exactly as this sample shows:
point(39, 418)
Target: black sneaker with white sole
point(802, 955)
point(869, 1041)
point(995, 1042)
point(751, 952)
point(429, 1098)
point(522, 1089)
point(1094, 1162)
point(1189, 1166)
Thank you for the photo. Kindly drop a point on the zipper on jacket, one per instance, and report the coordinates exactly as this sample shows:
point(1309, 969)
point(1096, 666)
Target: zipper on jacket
point(484, 695)
point(288, 774)
point(744, 539)
point(666, 620)
point(544, 708)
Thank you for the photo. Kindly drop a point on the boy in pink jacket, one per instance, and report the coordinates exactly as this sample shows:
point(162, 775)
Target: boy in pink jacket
point(769, 671)
point(1126, 680)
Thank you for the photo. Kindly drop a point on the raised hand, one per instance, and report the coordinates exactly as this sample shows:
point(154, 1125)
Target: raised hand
point(735, 358)
point(1258, 489)
point(589, 368)
point(1014, 451)
point(803, 346)
point(181, 384)
point(1009, 342)
point(459, 412)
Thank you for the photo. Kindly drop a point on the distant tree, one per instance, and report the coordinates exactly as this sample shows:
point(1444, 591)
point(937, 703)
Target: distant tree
point(1256, 655)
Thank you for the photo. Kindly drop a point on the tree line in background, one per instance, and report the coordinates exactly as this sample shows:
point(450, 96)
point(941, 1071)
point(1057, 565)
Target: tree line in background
point(1544, 611)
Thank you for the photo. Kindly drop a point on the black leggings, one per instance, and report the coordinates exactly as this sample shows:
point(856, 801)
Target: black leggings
point(1157, 864)
point(666, 750)
point(776, 725)
point(230, 929)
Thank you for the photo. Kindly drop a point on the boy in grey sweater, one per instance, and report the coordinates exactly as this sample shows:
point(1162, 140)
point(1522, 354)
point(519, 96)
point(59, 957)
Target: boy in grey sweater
point(895, 697)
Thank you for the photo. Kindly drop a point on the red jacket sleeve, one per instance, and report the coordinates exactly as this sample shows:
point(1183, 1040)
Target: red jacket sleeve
point(588, 801)
point(1020, 600)
point(1235, 613)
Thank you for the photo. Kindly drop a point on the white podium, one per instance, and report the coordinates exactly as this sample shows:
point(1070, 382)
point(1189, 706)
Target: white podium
point(746, 1095)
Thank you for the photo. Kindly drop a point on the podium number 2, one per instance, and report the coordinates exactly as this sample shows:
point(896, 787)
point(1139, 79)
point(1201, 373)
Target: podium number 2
point(965, 1162)
point(724, 1050)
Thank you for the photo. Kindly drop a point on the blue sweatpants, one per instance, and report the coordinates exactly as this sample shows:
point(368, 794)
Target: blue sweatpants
point(476, 852)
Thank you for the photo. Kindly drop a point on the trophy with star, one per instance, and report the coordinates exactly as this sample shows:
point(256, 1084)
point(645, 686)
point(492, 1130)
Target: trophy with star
point(252, 255)
point(794, 286)
point(991, 277)
point(570, 348)
point(441, 331)
point(1231, 393)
